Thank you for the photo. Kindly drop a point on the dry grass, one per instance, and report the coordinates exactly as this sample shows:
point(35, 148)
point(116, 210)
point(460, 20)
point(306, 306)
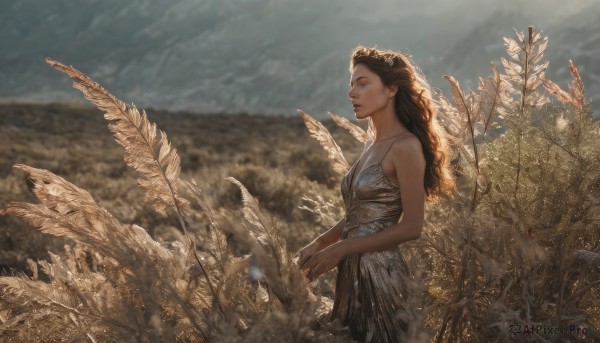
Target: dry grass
point(518, 247)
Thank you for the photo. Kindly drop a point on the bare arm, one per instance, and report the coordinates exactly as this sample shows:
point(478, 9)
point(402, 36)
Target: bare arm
point(332, 235)
point(324, 240)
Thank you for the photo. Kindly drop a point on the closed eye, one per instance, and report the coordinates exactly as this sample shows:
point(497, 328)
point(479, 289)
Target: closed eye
point(359, 81)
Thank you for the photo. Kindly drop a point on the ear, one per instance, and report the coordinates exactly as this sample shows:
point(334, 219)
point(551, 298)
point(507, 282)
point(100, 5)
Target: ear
point(392, 91)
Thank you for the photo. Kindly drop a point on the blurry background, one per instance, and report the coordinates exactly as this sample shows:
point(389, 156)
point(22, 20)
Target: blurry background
point(272, 56)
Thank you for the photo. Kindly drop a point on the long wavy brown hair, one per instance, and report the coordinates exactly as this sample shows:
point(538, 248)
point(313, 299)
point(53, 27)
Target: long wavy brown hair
point(415, 109)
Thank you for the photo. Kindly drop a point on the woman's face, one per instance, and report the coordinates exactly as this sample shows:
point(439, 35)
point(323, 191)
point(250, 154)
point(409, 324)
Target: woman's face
point(368, 94)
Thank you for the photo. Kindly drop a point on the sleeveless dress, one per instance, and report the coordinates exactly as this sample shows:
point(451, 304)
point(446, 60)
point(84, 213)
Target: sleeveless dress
point(371, 290)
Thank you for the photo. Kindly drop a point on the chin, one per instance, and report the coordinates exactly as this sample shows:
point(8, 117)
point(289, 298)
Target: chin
point(360, 115)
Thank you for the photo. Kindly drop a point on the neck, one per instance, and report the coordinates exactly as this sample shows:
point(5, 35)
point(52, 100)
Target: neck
point(387, 124)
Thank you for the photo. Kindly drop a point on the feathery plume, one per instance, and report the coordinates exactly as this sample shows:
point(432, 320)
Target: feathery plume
point(354, 130)
point(278, 267)
point(490, 93)
point(467, 107)
point(153, 158)
point(69, 211)
point(453, 123)
point(371, 129)
point(562, 96)
point(576, 94)
point(576, 86)
point(318, 131)
point(253, 214)
point(524, 73)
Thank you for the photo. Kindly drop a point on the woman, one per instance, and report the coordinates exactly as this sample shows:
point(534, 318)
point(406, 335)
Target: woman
point(403, 166)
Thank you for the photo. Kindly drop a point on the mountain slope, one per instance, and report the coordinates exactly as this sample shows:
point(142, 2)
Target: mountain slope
point(268, 56)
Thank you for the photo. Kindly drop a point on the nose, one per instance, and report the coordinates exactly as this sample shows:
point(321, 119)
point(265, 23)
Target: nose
point(351, 93)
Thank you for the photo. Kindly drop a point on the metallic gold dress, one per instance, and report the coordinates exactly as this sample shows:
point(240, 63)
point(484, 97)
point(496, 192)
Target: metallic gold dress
point(371, 289)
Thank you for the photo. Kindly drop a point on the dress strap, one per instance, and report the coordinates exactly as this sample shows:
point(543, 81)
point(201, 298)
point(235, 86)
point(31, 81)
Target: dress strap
point(388, 149)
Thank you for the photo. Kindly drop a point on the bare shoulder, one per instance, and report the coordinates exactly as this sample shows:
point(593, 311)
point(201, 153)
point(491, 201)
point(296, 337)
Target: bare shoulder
point(407, 154)
point(408, 144)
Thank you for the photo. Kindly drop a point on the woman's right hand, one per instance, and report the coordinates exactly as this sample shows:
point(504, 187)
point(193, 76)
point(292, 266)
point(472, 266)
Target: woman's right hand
point(308, 251)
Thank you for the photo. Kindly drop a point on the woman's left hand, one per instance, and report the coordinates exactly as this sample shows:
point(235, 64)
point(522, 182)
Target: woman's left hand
point(324, 261)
